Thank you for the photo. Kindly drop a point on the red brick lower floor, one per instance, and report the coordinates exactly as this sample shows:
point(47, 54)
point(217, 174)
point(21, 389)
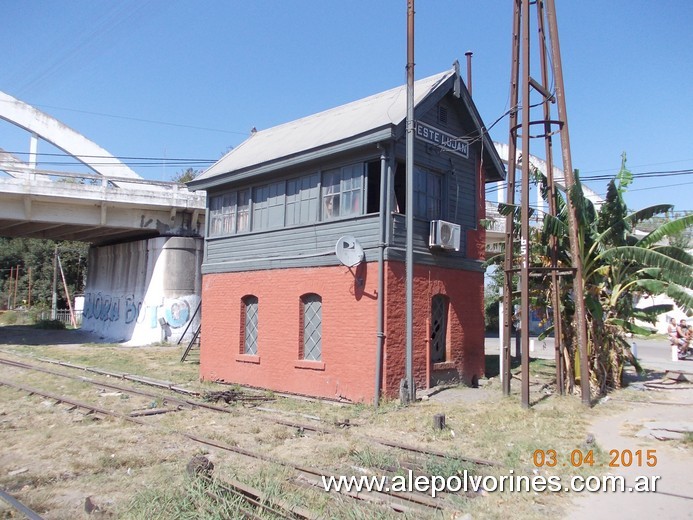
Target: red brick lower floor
point(313, 331)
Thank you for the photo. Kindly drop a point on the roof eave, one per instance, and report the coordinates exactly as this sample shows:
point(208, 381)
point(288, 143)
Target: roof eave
point(378, 135)
point(489, 150)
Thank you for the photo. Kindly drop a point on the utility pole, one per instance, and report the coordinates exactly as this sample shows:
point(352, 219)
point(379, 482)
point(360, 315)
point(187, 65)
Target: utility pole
point(510, 194)
point(67, 294)
point(522, 81)
point(551, 187)
point(9, 288)
point(409, 257)
point(16, 283)
point(578, 282)
point(29, 291)
point(54, 303)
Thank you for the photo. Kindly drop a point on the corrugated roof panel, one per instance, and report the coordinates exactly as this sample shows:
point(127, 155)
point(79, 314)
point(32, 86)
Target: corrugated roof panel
point(323, 128)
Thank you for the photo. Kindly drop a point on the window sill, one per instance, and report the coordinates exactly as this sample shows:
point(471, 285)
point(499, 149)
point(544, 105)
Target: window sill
point(445, 365)
point(364, 216)
point(247, 358)
point(309, 365)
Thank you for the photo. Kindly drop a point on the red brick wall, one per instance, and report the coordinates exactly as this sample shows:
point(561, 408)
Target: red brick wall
point(349, 320)
point(465, 339)
point(348, 331)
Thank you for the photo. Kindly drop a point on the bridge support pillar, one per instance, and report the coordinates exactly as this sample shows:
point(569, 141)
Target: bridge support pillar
point(144, 291)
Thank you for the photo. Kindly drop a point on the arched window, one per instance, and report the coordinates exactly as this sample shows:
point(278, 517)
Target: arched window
point(439, 328)
point(311, 328)
point(249, 315)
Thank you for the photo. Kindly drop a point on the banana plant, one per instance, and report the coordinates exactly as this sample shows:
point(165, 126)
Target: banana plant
point(619, 264)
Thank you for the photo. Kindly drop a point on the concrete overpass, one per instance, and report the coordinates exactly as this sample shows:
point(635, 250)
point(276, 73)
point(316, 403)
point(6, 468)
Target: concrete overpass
point(96, 209)
point(110, 203)
point(143, 283)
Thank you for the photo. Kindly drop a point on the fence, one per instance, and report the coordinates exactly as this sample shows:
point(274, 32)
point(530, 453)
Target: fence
point(64, 316)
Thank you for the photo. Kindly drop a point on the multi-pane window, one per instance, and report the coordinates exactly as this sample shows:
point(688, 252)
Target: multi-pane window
point(342, 190)
point(302, 196)
point(428, 194)
point(335, 193)
point(312, 327)
point(243, 211)
point(228, 213)
point(250, 330)
point(220, 210)
point(439, 327)
point(268, 206)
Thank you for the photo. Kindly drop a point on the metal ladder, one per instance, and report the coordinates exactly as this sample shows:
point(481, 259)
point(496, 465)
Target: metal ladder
point(195, 341)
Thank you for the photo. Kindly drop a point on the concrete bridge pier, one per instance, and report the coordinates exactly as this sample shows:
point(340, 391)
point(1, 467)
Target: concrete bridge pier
point(144, 291)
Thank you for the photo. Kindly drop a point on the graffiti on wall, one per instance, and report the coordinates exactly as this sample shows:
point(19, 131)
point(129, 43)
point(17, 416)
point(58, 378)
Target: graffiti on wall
point(177, 313)
point(129, 309)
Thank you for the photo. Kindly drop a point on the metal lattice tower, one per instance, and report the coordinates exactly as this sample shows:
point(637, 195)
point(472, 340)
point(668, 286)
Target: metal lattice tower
point(522, 87)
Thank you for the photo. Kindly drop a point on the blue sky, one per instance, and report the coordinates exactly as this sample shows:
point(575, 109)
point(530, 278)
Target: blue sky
point(189, 79)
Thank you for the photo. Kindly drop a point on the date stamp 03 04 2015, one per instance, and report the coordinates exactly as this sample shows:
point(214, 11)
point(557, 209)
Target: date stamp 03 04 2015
point(579, 458)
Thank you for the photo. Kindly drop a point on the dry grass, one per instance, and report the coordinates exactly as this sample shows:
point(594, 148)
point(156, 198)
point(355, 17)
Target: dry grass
point(137, 472)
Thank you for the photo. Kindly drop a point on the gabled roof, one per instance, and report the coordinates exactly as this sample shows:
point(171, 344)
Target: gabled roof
point(370, 119)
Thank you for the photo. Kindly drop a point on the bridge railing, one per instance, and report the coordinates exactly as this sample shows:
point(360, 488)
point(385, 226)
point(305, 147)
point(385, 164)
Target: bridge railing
point(89, 178)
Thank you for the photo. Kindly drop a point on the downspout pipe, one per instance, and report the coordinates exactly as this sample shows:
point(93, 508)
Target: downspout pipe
point(382, 218)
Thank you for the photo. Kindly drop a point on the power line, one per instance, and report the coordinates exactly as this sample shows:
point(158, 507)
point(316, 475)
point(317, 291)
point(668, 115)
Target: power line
point(139, 119)
point(119, 157)
point(641, 165)
point(641, 175)
point(663, 186)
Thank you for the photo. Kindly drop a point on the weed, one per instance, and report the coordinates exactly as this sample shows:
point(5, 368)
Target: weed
point(448, 467)
point(189, 499)
point(49, 325)
point(8, 318)
point(372, 458)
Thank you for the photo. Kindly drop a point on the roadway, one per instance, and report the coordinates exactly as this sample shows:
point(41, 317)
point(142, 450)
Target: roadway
point(653, 354)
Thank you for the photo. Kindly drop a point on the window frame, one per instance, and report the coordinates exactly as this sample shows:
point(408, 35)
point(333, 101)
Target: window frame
point(428, 198)
point(349, 186)
point(309, 302)
point(225, 214)
point(439, 335)
point(270, 206)
point(250, 324)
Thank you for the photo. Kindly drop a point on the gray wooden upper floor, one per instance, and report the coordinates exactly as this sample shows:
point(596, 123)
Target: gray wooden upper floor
point(289, 209)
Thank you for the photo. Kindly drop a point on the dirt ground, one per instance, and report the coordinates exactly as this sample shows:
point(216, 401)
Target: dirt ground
point(627, 429)
point(53, 459)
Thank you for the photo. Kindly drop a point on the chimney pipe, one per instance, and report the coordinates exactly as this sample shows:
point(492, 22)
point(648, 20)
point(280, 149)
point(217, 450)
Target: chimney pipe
point(469, 54)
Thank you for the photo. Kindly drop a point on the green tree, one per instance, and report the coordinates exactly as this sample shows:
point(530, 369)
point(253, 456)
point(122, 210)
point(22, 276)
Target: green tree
point(618, 266)
point(186, 175)
point(34, 258)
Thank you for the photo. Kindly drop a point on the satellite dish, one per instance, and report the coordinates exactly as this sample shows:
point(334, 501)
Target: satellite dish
point(349, 251)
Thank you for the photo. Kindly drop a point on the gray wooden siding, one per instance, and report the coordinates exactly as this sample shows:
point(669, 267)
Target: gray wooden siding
point(422, 253)
point(301, 246)
point(461, 181)
point(313, 244)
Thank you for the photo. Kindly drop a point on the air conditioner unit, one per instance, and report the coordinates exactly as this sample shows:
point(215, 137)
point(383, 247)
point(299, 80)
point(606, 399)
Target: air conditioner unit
point(444, 235)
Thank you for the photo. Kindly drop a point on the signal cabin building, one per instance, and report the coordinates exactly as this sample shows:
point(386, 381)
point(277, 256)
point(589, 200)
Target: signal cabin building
point(306, 221)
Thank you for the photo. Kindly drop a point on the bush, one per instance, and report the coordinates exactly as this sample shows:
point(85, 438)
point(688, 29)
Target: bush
point(50, 324)
point(8, 318)
point(491, 315)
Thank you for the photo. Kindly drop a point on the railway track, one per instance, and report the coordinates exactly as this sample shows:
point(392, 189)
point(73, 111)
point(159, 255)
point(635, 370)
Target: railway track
point(17, 505)
point(269, 415)
point(313, 477)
